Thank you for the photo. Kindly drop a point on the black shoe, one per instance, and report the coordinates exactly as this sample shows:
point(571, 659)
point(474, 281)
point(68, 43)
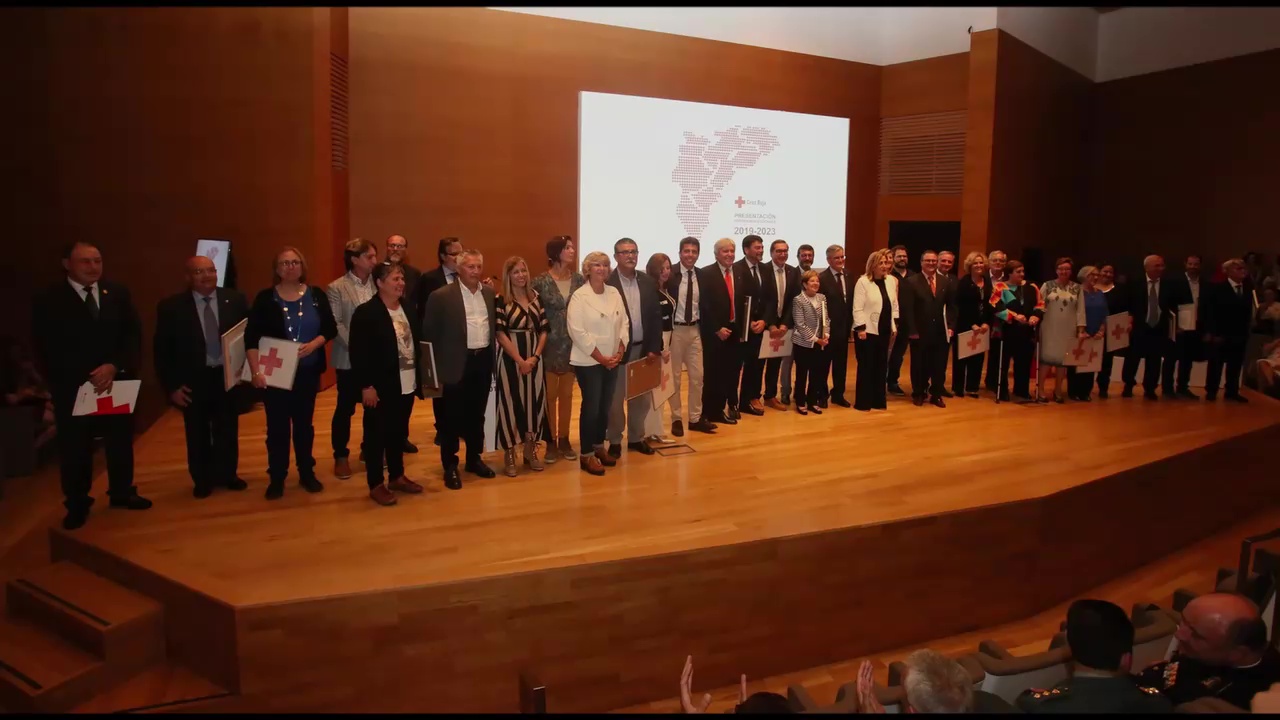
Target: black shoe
point(360, 458)
point(1004, 397)
point(202, 491)
point(897, 390)
point(974, 395)
point(748, 410)
point(275, 490)
point(310, 484)
point(936, 401)
point(1236, 398)
point(1168, 394)
point(786, 398)
point(724, 419)
point(917, 401)
point(677, 428)
point(841, 402)
point(237, 484)
point(435, 439)
point(478, 467)
point(641, 447)
point(615, 450)
point(1187, 394)
point(410, 448)
point(1103, 393)
point(1128, 392)
point(1150, 396)
point(133, 502)
point(947, 393)
point(452, 479)
point(822, 403)
point(815, 409)
point(1211, 395)
point(702, 426)
point(734, 414)
point(75, 519)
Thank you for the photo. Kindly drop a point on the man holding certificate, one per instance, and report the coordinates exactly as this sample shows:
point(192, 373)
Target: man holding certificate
point(189, 363)
point(640, 300)
point(781, 286)
point(87, 332)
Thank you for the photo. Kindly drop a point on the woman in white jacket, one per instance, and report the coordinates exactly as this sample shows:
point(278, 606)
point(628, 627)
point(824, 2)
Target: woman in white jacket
point(875, 324)
point(598, 326)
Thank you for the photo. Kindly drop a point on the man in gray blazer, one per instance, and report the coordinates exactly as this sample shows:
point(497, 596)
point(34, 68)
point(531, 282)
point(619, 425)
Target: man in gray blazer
point(640, 298)
point(345, 295)
point(459, 321)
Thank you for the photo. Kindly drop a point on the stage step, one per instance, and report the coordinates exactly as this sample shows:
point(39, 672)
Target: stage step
point(166, 687)
point(41, 672)
point(112, 622)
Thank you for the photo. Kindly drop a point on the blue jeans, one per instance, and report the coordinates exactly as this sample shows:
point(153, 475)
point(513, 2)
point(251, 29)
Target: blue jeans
point(596, 385)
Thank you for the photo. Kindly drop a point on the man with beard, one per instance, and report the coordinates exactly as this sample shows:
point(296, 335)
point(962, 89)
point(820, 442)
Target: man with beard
point(899, 351)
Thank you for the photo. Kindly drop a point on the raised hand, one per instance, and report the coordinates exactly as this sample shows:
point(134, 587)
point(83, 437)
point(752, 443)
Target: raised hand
point(867, 702)
point(686, 692)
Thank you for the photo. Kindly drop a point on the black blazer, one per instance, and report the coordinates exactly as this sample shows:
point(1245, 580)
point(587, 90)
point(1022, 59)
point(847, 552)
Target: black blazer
point(1225, 315)
point(266, 320)
point(650, 314)
point(1180, 294)
point(179, 342)
point(428, 282)
point(922, 312)
point(666, 308)
point(973, 305)
point(1167, 300)
point(769, 293)
point(444, 325)
point(839, 307)
point(673, 288)
point(411, 277)
point(714, 303)
point(745, 286)
point(70, 344)
point(375, 350)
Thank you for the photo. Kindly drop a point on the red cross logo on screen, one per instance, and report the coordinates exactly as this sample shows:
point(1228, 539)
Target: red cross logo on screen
point(107, 407)
point(270, 363)
point(739, 202)
point(776, 344)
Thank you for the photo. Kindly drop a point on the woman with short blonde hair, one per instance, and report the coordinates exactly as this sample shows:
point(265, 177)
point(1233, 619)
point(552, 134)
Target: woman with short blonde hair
point(599, 327)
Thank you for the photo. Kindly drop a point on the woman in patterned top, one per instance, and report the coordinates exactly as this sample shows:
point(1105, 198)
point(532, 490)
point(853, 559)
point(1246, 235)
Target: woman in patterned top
point(554, 288)
point(1018, 307)
point(522, 329)
point(1063, 322)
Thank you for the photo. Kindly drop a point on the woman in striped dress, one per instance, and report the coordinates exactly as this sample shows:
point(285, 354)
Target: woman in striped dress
point(522, 333)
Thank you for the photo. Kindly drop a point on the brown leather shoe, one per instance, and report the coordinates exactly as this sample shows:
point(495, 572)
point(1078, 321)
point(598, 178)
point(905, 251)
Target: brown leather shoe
point(773, 403)
point(405, 485)
point(342, 469)
point(591, 464)
point(755, 405)
point(603, 456)
point(382, 495)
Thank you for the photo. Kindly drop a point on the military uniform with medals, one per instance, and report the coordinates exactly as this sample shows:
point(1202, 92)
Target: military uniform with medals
point(1185, 679)
point(1095, 694)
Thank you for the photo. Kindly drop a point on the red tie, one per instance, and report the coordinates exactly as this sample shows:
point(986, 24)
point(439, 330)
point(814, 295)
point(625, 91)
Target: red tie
point(728, 281)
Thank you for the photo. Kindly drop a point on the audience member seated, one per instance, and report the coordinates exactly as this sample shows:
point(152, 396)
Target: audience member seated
point(1269, 366)
point(1100, 637)
point(1223, 652)
point(1008, 676)
point(22, 386)
point(934, 683)
point(761, 703)
point(1267, 316)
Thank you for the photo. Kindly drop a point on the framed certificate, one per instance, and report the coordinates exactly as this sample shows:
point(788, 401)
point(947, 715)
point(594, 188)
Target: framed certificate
point(643, 375)
point(233, 355)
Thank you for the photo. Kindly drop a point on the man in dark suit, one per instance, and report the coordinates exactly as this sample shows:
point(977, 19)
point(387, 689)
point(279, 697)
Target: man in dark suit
point(87, 331)
point(1185, 290)
point(899, 350)
point(448, 250)
point(459, 321)
point(781, 284)
point(1227, 314)
point(721, 326)
point(398, 252)
point(640, 298)
point(189, 363)
point(1151, 301)
point(747, 284)
point(928, 309)
point(837, 286)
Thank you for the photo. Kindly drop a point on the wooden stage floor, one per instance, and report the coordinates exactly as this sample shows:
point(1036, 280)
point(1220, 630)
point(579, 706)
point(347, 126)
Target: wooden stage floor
point(779, 490)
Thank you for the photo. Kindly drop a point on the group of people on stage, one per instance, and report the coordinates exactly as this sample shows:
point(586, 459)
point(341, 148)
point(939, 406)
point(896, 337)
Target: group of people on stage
point(533, 337)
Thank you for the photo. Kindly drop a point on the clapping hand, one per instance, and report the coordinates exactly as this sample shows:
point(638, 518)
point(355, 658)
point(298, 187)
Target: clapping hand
point(867, 702)
point(686, 690)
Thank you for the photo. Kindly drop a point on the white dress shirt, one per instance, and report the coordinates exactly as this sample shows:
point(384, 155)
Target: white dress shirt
point(596, 321)
point(685, 280)
point(477, 317)
point(631, 286)
point(97, 291)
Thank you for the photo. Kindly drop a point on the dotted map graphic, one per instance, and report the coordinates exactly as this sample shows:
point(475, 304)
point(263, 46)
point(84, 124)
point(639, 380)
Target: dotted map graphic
point(704, 169)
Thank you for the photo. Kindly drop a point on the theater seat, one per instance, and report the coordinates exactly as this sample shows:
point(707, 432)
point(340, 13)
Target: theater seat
point(1008, 676)
point(1152, 637)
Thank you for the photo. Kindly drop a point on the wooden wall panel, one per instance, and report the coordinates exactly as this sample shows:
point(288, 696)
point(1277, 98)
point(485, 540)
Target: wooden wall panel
point(979, 139)
point(465, 120)
point(1187, 160)
point(144, 129)
point(938, 84)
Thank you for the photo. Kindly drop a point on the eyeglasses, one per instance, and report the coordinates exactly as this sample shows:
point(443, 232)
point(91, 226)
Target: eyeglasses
point(289, 263)
point(626, 252)
point(397, 246)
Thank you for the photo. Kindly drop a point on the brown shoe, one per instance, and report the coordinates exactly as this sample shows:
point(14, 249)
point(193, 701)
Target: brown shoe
point(342, 469)
point(553, 452)
point(591, 464)
point(509, 464)
point(755, 405)
point(531, 456)
point(405, 485)
point(382, 495)
point(773, 403)
point(603, 456)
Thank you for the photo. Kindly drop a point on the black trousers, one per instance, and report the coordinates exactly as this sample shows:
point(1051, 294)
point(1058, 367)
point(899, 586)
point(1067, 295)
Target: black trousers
point(896, 356)
point(928, 366)
point(596, 384)
point(752, 367)
point(1145, 344)
point(384, 437)
point(966, 373)
point(722, 363)
point(1180, 355)
point(290, 413)
point(873, 360)
point(811, 374)
point(75, 452)
point(993, 362)
point(1108, 364)
point(349, 396)
point(837, 353)
point(1018, 352)
point(212, 425)
point(1079, 384)
point(1229, 354)
point(461, 409)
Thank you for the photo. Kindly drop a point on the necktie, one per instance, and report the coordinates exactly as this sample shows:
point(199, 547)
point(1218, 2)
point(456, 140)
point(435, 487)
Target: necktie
point(728, 282)
point(840, 283)
point(1153, 304)
point(91, 302)
point(688, 300)
point(780, 280)
point(754, 275)
point(1239, 291)
point(212, 341)
point(933, 288)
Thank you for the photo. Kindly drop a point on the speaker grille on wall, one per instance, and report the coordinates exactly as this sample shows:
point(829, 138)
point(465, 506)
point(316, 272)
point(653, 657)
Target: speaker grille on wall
point(338, 111)
point(922, 154)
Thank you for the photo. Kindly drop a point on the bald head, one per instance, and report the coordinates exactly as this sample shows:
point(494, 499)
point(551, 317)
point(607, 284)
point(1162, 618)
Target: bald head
point(1222, 629)
point(202, 274)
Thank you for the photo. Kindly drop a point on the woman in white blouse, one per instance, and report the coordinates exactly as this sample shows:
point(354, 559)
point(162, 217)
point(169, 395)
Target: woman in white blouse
point(809, 343)
point(875, 324)
point(598, 324)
